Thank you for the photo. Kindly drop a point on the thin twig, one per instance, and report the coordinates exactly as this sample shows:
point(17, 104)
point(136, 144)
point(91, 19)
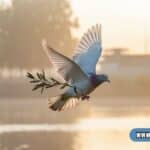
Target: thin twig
point(41, 82)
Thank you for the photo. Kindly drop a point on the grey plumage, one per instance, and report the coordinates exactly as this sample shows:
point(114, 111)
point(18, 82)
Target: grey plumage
point(79, 72)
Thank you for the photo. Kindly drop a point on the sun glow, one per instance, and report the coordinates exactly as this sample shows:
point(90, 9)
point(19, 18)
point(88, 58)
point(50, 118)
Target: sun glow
point(113, 123)
point(5, 4)
point(124, 23)
point(101, 133)
point(112, 7)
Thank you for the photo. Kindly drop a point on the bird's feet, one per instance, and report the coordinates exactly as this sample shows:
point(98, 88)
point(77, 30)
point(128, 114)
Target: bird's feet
point(85, 97)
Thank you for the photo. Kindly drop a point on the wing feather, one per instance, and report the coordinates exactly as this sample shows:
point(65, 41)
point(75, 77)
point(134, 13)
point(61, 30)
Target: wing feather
point(68, 69)
point(89, 50)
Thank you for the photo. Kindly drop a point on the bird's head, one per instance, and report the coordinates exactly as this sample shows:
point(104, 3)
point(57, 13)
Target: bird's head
point(102, 78)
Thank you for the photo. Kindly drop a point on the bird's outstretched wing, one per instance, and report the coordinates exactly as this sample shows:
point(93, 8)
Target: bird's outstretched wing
point(69, 70)
point(89, 50)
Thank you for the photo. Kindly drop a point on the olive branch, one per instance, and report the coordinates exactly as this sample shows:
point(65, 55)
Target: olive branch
point(41, 82)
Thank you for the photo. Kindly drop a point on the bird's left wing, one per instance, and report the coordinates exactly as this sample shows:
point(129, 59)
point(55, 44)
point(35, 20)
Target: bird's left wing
point(69, 70)
point(89, 50)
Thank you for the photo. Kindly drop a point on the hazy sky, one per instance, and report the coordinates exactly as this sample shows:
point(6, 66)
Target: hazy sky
point(125, 23)
point(5, 4)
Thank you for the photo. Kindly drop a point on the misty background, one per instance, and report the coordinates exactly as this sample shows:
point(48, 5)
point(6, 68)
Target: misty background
point(23, 25)
point(125, 59)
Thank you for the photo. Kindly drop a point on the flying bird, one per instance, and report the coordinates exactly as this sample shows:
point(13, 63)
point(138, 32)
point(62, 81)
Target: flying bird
point(79, 72)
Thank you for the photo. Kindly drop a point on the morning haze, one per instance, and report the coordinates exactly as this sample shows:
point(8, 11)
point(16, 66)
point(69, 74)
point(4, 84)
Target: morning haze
point(25, 120)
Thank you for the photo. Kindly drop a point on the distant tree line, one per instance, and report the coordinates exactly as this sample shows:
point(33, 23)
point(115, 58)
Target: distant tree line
point(24, 26)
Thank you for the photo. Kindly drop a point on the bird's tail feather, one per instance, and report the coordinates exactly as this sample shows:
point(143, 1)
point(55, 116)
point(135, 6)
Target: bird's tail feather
point(62, 102)
point(56, 103)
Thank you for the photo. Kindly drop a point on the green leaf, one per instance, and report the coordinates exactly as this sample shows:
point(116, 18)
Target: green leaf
point(43, 74)
point(34, 81)
point(39, 75)
point(42, 89)
point(38, 86)
point(29, 75)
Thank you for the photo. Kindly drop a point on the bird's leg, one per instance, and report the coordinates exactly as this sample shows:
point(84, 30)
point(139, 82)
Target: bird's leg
point(85, 97)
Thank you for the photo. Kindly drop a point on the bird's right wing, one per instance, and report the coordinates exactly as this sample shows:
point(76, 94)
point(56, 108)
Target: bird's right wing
point(89, 50)
point(69, 70)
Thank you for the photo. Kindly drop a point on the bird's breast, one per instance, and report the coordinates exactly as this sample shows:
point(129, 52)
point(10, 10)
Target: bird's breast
point(83, 88)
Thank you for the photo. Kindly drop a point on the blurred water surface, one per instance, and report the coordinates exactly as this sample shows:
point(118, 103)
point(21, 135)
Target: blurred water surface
point(27, 124)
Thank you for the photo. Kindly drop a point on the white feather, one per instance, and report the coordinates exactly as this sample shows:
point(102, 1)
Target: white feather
point(89, 50)
point(68, 69)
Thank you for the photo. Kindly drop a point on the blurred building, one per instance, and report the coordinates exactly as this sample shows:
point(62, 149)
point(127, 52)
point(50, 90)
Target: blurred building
point(119, 63)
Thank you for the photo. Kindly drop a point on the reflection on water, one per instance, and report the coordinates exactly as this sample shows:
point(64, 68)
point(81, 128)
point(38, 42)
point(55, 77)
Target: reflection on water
point(110, 133)
point(88, 124)
point(94, 128)
point(87, 134)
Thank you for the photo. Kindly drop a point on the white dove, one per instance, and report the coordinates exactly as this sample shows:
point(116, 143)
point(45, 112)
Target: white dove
point(80, 72)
